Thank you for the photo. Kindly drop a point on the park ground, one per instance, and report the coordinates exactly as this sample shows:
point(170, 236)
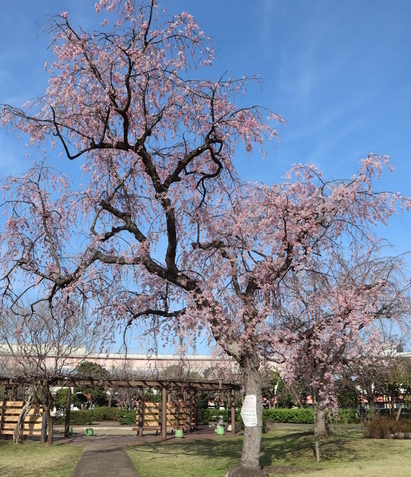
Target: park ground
point(286, 450)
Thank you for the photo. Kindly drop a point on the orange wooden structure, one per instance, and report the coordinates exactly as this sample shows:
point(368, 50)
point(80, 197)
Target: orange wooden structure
point(10, 415)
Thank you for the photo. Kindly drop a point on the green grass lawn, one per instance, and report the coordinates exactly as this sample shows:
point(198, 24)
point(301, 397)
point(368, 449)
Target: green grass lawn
point(288, 449)
point(34, 459)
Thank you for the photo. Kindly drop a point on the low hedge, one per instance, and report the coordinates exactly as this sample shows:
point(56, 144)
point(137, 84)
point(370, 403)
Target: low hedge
point(87, 416)
point(105, 413)
point(127, 418)
point(305, 416)
point(82, 418)
point(291, 416)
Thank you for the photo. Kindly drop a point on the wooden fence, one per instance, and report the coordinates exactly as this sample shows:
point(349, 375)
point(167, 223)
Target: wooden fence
point(10, 413)
point(179, 416)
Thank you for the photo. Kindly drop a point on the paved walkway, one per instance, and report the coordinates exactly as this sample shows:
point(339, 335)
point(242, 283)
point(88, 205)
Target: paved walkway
point(102, 460)
point(104, 454)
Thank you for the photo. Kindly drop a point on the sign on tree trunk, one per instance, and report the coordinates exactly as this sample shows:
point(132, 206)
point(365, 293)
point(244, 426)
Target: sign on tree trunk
point(249, 411)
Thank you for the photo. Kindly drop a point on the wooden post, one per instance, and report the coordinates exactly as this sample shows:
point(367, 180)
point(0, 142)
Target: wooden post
point(233, 412)
point(3, 408)
point(196, 410)
point(189, 411)
point(68, 406)
point(164, 414)
point(178, 414)
point(140, 420)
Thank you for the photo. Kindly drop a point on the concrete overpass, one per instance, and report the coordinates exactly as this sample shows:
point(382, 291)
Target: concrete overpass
point(138, 364)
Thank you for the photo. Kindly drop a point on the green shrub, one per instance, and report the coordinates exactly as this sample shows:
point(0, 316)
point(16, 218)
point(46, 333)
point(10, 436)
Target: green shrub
point(151, 396)
point(213, 414)
point(105, 413)
point(294, 416)
point(347, 416)
point(304, 416)
point(384, 428)
point(126, 418)
point(202, 408)
point(81, 418)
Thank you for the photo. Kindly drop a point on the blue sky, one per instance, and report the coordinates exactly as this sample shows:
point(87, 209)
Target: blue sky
point(337, 71)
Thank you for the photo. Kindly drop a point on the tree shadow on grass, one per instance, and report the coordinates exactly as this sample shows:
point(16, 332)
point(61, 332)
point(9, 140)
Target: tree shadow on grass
point(209, 448)
point(297, 447)
point(292, 449)
point(286, 447)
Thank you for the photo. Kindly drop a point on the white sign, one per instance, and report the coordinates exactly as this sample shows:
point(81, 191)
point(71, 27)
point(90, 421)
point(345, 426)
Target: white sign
point(249, 411)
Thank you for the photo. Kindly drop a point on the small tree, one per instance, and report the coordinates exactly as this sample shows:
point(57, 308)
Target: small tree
point(335, 307)
point(41, 342)
point(347, 393)
point(93, 394)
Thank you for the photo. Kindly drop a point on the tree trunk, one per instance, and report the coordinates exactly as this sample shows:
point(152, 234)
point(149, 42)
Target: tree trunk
point(50, 431)
point(371, 403)
point(19, 426)
point(43, 436)
point(321, 425)
point(68, 406)
point(397, 417)
point(392, 404)
point(48, 401)
point(250, 455)
point(316, 434)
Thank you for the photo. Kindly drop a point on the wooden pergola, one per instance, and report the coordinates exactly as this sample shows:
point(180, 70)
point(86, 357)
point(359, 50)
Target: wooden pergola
point(163, 385)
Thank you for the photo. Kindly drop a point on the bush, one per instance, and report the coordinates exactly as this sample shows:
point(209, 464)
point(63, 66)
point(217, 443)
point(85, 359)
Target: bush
point(384, 428)
point(213, 414)
point(202, 408)
point(104, 413)
point(290, 416)
point(293, 416)
point(126, 418)
point(81, 418)
point(347, 416)
point(304, 416)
